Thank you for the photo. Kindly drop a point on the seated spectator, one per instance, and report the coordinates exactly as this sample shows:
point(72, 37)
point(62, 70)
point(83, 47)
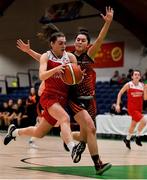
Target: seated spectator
point(21, 112)
point(123, 79)
point(4, 114)
point(129, 75)
point(33, 97)
point(115, 78)
point(10, 104)
point(14, 114)
point(9, 118)
point(21, 106)
point(31, 103)
point(7, 111)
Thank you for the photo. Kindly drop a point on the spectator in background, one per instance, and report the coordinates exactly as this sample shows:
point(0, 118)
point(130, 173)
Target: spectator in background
point(115, 78)
point(31, 103)
point(4, 114)
point(10, 104)
point(15, 115)
point(129, 75)
point(123, 79)
point(21, 106)
point(21, 111)
point(9, 117)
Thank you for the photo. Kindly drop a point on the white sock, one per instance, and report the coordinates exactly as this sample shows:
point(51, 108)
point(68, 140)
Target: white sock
point(70, 146)
point(15, 133)
point(129, 136)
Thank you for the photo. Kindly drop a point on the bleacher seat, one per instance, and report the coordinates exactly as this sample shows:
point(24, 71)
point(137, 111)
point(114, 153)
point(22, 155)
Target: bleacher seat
point(106, 94)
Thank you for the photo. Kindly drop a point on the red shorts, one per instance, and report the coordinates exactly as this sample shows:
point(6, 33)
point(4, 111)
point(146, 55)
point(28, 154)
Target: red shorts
point(136, 115)
point(47, 100)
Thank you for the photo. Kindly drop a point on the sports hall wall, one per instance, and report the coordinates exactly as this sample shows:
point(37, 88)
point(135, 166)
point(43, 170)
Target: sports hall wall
point(21, 20)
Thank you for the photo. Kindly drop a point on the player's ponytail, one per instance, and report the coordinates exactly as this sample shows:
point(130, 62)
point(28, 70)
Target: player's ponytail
point(49, 33)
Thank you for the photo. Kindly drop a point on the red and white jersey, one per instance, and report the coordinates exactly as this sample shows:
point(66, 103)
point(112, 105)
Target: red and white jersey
point(54, 83)
point(135, 96)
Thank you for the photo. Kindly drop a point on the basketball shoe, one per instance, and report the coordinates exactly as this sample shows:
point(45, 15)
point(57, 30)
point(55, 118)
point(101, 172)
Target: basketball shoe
point(77, 151)
point(65, 147)
point(138, 141)
point(127, 142)
point(101, 168)
point(9, 136)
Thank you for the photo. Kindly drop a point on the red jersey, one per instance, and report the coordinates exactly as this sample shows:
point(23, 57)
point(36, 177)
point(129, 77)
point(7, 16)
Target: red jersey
point(55, 90)
point(54, 83)
point(135, 96)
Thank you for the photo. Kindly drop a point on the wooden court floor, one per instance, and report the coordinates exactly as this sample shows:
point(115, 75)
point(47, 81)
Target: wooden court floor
point(17, 159)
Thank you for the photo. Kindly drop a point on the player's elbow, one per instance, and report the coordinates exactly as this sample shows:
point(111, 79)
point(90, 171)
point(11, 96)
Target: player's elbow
point(41, 77)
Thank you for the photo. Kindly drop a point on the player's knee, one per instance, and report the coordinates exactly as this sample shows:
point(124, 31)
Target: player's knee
point(40, 135)
point(64, 119)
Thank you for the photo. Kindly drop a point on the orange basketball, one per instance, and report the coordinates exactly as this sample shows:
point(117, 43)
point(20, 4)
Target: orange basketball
point(72, 74)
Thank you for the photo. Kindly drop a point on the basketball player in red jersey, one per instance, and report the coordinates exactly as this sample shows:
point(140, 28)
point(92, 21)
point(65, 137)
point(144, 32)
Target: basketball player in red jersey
point(85, 91)
point(136, 92)
point(54, 97)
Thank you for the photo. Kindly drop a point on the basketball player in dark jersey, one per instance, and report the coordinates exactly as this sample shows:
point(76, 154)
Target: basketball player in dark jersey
point(84, 92)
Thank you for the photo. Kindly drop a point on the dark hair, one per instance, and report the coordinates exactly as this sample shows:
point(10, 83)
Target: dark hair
point(50, 33)
point(136, 71)
point(85, 32)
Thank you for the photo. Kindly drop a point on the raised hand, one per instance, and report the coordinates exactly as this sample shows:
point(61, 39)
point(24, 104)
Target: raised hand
point(25, 47)
point(109, 14)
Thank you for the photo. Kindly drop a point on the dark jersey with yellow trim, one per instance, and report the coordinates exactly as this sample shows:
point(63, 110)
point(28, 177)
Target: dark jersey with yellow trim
point(82, 95)
point(87, 86)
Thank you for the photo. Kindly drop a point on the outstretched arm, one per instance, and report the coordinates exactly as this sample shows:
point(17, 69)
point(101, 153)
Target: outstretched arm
point(99, 40)
point(25, 47)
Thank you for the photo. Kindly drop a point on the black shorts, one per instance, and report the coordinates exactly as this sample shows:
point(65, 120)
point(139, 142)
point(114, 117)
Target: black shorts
point(83, 102)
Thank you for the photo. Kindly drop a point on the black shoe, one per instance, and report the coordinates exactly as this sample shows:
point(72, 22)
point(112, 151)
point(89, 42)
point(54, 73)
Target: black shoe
point(101, 168)
point(65, 147)
point(138, 141)
point(127, 142)
point(9, 136)
point(77, 151)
